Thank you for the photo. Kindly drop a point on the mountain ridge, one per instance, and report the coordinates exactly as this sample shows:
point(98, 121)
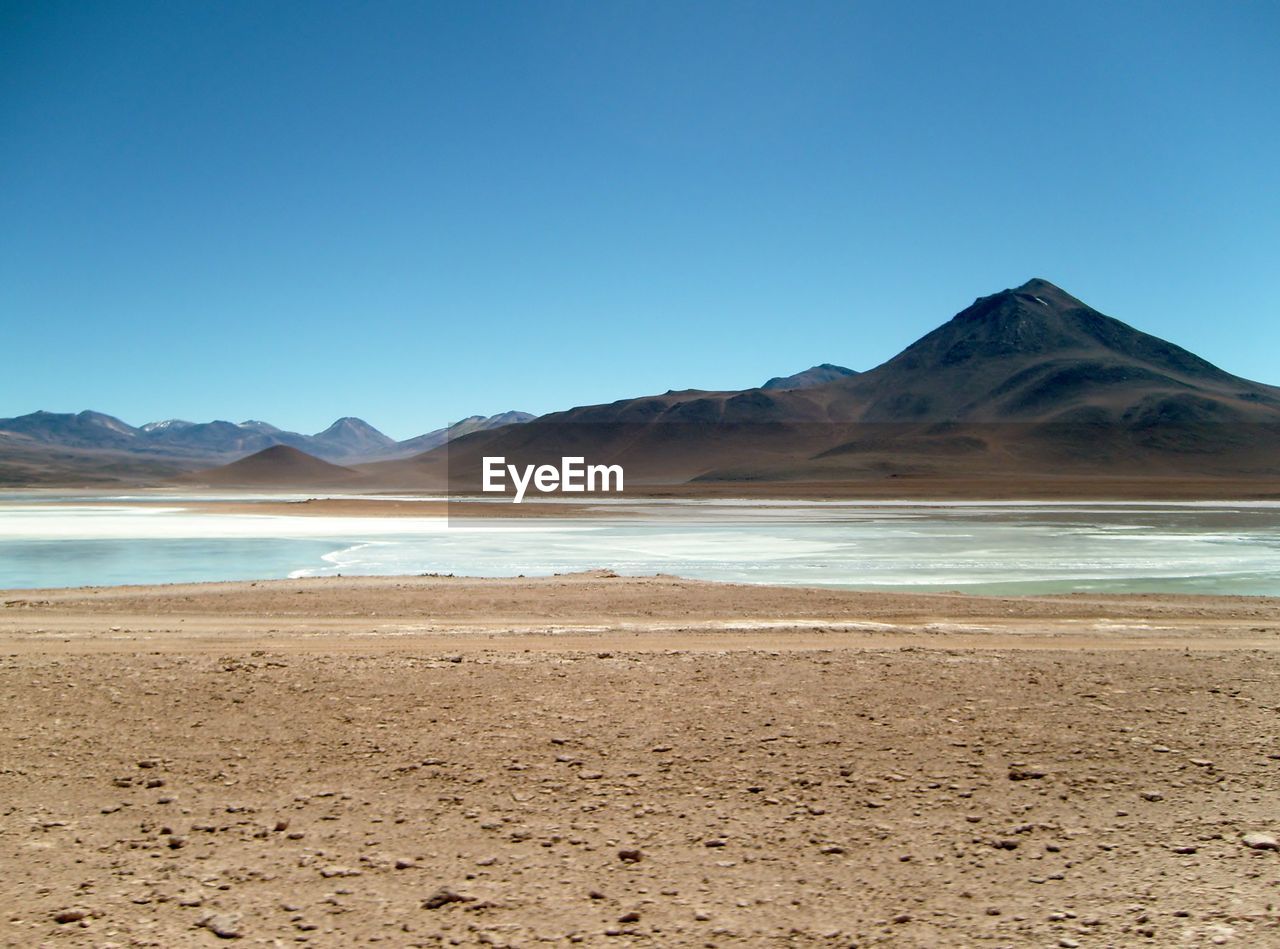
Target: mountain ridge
point(181, 442)
point(1027, 380)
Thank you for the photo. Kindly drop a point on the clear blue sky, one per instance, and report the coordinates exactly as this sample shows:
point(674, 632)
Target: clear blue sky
point(417, 211)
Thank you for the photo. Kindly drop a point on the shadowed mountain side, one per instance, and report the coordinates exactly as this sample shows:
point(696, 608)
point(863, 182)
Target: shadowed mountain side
point(278, 466)
point(991, 459)
point(27, 463)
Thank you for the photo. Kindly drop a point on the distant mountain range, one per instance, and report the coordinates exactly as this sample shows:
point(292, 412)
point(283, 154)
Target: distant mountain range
point(60, 447)
point(93, 447)
point(1028, 386)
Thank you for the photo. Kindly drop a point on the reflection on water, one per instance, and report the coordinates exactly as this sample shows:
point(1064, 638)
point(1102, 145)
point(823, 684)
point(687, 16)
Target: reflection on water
point(980, 548)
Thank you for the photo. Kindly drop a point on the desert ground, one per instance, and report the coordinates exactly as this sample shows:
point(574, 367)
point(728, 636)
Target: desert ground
point(613, 761)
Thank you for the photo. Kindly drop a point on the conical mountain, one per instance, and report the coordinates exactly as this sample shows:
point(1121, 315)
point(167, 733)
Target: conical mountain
point(1036, 353)
point(277, 466)
point(353, 437)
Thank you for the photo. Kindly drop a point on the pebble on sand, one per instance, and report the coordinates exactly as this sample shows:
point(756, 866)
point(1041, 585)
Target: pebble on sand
point(1259, 841)
point(223, 925)
point(443, 897)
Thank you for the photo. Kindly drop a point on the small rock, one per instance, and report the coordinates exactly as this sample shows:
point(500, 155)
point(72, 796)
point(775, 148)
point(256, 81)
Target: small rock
point(1259, 841)
point(630, 856)
point(223, 925)
point(69, 916)
point(1152, 796)
point(443, 897)
point(328, 872)
point(1025, 774)
point(1066, 942)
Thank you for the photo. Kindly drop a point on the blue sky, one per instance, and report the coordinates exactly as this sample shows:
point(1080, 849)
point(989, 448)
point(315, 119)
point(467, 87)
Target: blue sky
point(413, 212)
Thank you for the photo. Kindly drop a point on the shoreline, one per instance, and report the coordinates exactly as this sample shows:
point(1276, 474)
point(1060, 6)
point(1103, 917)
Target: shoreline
point(906, 489)
point(621, 507)
point(581, 610)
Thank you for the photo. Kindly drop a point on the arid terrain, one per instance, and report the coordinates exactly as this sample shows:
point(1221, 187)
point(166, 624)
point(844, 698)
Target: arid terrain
point(609, 761)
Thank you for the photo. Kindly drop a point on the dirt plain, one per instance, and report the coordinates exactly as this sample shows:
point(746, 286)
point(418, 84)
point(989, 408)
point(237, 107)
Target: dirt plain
point(650, 761)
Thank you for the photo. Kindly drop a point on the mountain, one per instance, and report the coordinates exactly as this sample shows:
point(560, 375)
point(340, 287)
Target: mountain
point(167, 425)
point(265, 427)
point(1036, 353)
point(67, 448)
point(1027, 383)
point(273, 467)
point(215, 439)
point(81, 430)
point(353, 438)
point(472, 423)
point(1028, 386)
point(814, 376)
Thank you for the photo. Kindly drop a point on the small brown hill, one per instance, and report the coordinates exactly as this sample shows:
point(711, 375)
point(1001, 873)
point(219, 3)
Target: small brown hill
point(279, 466)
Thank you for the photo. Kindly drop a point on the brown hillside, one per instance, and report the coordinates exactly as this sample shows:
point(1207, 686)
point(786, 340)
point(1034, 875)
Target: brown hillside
point(279, 466)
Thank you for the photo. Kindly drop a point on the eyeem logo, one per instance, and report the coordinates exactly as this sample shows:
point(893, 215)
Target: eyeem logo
point(573, 476)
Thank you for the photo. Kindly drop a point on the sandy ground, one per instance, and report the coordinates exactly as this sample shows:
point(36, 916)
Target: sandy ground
point(608, 761)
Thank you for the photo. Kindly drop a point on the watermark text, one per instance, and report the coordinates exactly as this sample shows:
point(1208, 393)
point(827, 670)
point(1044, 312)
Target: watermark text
point(573, 475)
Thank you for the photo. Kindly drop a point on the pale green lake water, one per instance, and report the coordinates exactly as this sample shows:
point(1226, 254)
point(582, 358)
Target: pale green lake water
point(977, 547)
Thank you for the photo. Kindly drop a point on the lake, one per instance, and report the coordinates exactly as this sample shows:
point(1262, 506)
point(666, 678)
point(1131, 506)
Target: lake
point(976, 547)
